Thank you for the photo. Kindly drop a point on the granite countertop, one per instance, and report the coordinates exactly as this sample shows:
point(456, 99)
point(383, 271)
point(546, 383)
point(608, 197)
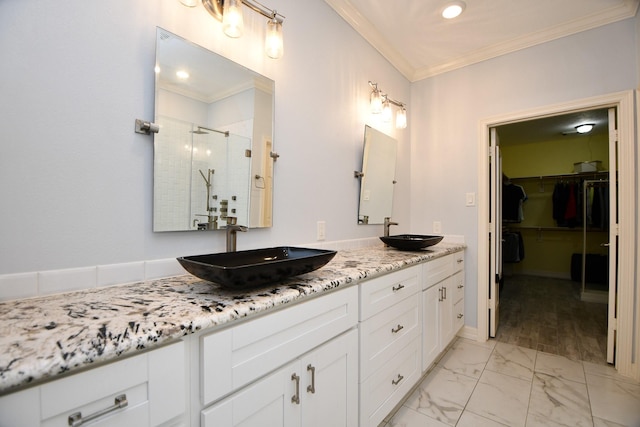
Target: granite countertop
point(47, 336)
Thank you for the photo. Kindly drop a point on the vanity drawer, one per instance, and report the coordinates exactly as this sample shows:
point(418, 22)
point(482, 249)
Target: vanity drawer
point(458, 286)
point(234, 357)
point(154, 385)
point(458, 261)
point(458, 316)
point(386, 333)
point(381, 292)
point(383, 390)
point(436, 270)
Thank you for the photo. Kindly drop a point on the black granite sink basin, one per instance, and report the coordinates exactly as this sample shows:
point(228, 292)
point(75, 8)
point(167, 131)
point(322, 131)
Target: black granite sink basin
point(245, 269)
point(411, 242)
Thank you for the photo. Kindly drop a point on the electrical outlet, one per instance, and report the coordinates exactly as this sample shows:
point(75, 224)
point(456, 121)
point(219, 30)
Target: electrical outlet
point(471, 199)
point(437, 227)
point(321, 230)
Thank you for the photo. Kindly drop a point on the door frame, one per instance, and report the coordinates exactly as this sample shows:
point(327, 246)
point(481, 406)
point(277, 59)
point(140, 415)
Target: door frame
point(627, 355)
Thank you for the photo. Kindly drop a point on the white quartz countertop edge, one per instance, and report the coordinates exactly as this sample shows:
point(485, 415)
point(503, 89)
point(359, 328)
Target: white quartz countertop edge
point(45, 337)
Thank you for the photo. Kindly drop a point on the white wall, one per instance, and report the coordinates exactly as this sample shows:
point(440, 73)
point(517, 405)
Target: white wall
point(76, 181)
point(446, 110)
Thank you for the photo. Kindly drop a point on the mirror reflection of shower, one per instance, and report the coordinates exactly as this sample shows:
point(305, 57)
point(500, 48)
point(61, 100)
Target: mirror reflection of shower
point(202, 174)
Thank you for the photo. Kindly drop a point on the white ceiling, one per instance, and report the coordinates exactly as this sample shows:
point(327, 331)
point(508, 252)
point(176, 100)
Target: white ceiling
point(414, 37)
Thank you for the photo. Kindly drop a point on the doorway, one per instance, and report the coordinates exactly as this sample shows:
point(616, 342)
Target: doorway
point(554, 228)
point(624, 297)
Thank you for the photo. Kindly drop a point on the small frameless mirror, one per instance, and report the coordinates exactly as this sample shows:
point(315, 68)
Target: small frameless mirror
point(378, 177)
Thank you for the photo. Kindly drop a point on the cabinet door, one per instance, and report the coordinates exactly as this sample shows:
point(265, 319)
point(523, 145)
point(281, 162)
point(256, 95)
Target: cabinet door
point(329, 392)
point(445, 309)
point(268, 402)
point(430, 325)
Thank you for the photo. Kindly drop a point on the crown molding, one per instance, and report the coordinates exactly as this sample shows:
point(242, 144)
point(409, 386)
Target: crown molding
point(353, 17)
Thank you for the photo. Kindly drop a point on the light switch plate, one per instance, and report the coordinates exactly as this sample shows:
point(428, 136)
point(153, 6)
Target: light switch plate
point(471, 199)
point(321, 230)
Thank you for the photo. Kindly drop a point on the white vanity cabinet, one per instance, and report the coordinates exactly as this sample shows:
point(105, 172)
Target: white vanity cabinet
point(294, 367)
point(390, 336)
point(317, 389)
point(442, 304)
point(144, 390)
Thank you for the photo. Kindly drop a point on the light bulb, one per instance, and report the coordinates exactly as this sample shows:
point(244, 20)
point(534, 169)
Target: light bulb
point(401, 118)
point(189, 3)
point(376, 101)
point(232, 22)
point(386, 111)
point(273, 44)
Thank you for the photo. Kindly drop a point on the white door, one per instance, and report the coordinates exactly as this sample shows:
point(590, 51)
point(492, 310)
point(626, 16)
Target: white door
point(329, 389)
point(495, 232)
point(613, 236)
point(272, 401)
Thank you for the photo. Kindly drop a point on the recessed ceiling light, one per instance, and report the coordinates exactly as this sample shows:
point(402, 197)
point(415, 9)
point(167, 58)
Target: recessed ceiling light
point(182, 74)
point(453, 9)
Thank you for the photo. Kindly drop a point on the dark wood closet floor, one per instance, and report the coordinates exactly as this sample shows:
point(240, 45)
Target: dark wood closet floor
point(546, 314)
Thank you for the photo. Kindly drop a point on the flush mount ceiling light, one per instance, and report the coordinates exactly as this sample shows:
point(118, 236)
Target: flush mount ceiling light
point(229, 12)
point(381, 103)
point(453, 9)
point(584, 128)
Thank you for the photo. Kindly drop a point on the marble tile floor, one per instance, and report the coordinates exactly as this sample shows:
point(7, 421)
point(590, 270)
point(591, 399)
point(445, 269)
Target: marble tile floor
point(497, 384)
point(547, 314)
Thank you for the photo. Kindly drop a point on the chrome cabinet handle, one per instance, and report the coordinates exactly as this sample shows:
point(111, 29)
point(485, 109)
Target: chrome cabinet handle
point(312, 388)
point(397, 380)
point(444, 290)
point(397, 329)
point(460, 260)
point(460, 286)
point(440, 299)
point(397, 288)
point(460, 316)
point(76, 419)
point(296, 397)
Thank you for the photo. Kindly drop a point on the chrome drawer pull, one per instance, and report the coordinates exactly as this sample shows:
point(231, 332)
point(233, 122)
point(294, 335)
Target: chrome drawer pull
point(76, 419)
point(397, 288)
point(440, 295)
point(444, 290)
point(397, 329)
point(460, 286)
point(460, 260)
point(397, 381)
point(296, 397)
point(460, 316)
point(312, 388)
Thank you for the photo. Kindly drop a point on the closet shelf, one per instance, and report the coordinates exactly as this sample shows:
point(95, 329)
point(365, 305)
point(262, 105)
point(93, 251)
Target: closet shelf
point(538, 228)
point(594, 175)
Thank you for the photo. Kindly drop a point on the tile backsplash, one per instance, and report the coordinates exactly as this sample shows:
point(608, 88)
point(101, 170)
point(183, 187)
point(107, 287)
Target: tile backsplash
point(32, 284)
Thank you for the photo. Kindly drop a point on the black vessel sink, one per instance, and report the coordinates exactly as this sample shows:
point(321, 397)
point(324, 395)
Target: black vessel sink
point(245, 269)
point(411, 242)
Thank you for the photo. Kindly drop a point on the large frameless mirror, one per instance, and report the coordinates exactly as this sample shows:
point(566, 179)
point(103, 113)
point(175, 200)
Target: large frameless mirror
point(378, 177)
point(213, 154)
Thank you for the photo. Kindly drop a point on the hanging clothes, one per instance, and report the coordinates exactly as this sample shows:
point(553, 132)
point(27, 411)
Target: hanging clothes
point(512, 247)
point(513, 196)
point(559, 199)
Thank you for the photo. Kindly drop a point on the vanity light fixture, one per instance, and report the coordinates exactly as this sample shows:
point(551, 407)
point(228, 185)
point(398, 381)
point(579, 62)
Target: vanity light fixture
point(453, 9)
point(229, 12)
point(584, 128)
point(381, 103)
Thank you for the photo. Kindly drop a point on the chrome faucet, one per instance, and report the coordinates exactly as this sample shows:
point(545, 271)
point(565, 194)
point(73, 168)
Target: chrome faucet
point(387, 225)
point(232, 230)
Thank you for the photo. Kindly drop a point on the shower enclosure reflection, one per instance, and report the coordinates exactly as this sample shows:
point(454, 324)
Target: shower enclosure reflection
point(204, 177)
